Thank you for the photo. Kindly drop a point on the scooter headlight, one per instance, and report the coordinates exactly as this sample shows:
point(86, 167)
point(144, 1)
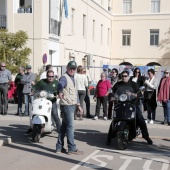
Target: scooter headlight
point(43, 93)
point(123, 97)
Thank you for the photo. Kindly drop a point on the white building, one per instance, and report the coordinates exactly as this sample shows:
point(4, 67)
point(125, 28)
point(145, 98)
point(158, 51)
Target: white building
point(96, 32)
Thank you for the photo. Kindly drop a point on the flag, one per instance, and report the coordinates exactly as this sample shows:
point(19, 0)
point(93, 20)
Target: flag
point(66, 8)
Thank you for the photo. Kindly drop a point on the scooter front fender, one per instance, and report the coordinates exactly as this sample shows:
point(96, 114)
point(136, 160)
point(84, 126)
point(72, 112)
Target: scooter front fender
point(119, 126)
point(38, 120)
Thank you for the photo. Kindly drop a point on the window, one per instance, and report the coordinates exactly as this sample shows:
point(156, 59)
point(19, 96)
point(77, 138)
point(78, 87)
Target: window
point(154, 37)
point(127, 6)
point(101, 34)
point(93, 33)
point(155, 6)
point(72, 20)
point(22, 3)
point(84, 25)
point(126, 37)
point(108, 36)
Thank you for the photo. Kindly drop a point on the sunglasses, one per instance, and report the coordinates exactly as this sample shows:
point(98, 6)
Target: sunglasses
point(137, 71)
point(50, 76)
point(166, 72)
point(124, 75)
point(3, 66)
point(72, 68)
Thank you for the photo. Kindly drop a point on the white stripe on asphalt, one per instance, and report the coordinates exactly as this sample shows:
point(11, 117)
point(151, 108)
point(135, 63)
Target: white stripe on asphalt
point(84, 160)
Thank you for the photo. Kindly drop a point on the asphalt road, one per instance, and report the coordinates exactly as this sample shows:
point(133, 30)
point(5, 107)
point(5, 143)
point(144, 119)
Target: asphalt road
point(90, 137)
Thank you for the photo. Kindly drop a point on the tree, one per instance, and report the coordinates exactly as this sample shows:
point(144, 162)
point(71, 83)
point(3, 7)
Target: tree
point(13, 50)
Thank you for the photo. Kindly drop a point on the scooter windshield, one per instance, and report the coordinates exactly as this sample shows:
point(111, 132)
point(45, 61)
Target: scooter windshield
point(124, 93)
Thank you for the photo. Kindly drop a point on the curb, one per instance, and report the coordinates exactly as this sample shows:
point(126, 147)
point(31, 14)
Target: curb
point(5, 141)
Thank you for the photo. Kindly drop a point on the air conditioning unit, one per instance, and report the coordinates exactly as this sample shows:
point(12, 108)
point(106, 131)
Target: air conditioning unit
point(89, 60)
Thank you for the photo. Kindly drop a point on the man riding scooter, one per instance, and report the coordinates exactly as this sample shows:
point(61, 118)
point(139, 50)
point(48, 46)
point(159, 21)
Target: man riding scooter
point(139, 118)
point(50, 85)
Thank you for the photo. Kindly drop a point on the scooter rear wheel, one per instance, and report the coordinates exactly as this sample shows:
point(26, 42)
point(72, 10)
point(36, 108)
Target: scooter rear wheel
point(36, 133)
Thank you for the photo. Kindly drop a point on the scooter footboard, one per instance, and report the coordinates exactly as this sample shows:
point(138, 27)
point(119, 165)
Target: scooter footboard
point(38, 120)
point(120, 125)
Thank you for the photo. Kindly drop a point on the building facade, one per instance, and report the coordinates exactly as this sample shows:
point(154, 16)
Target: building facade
point(95, 32)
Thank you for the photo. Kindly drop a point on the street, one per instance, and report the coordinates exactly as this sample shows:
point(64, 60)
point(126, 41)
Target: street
point(90, 137)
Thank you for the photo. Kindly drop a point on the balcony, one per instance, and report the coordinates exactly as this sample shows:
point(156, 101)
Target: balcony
point(55, 27)
point(2, 22)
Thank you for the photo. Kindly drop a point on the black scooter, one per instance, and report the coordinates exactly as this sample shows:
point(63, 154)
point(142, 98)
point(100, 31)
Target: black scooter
point(123, 127)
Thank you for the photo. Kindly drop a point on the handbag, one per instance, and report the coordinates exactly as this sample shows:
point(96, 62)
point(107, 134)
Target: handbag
point(148, 94)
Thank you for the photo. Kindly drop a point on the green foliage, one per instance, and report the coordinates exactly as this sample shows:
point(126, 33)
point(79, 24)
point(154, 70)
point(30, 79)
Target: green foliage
point(13, 50)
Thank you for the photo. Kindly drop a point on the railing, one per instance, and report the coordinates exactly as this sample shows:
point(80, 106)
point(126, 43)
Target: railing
point(2, 21)
point(55, 27)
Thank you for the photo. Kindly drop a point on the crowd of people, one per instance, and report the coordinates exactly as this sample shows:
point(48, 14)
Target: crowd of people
point(72, 88)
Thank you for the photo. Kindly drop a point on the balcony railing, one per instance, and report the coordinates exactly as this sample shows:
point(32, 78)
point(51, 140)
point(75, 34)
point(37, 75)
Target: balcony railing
point(2, 21)
point(55, 27)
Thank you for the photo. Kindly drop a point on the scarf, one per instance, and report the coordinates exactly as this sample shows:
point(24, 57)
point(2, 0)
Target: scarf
point(164, 91)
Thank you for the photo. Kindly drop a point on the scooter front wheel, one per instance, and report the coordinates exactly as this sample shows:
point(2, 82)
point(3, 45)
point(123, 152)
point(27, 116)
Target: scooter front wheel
point(36, 133)
point(121, 140)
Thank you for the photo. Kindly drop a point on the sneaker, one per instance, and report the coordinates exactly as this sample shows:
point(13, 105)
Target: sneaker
point(95, 118)
point(105, 118)
point(89, 116)
point(63, 150)
point(164, 122)
point(148, 140)
point(76, 152)
point(151, 122)
point(28, 131)
point(17, 114)
point(147, 121)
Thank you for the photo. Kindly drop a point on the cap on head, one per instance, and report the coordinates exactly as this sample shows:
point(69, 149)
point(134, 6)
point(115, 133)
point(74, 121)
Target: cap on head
point(167, 70)
point(28, 67)
point(72, 64)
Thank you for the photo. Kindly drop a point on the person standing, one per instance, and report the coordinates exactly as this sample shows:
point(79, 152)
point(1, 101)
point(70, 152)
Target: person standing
point(28, 80)
point(19, 89)
point(68, 101)
point(139, 79)
point(114, 80)
point(150, 96)
point(5, 80)
point(102, 91)
point(164, 95)
point(81, 85)
point(87, 98)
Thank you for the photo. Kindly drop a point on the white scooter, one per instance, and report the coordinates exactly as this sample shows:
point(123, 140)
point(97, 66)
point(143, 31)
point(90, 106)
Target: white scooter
point(40, 117)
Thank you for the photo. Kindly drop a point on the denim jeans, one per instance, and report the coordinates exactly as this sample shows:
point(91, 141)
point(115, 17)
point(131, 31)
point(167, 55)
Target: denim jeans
point(20, 95)
point(166, 106)
point(3, 97)
point(55, 116)
point(67, 128)
point(27, 98)
point(81, 94)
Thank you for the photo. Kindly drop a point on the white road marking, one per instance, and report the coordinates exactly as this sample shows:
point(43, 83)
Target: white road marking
point(102, 163)
point(148, 163)
point(128, 161)
point(84, 160)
